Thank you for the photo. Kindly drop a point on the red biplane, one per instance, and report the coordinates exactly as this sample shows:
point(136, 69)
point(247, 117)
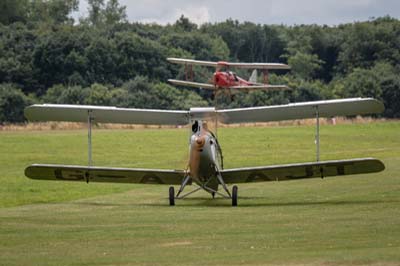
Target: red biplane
point(225, 79)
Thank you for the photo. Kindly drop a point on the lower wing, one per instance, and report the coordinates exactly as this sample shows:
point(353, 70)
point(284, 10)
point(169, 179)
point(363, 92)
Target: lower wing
point(242, 87)
point(302, 170)
point(104, 174)
point(192, 84)
point(260, 87)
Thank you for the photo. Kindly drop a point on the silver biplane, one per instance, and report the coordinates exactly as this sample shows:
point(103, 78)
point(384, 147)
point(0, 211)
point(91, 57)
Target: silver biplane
point(205, 159)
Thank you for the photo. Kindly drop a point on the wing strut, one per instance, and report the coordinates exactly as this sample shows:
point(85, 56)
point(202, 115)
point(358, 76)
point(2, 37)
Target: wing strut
point(317, 131)
point(222, 182)
point(89, 121)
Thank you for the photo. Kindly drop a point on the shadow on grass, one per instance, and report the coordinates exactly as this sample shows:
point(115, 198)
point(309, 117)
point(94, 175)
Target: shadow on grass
point(100, 204)
point(256, 201)
point(201, 202)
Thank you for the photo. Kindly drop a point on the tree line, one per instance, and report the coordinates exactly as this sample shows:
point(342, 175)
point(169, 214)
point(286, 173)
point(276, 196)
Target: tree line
point(48, 57)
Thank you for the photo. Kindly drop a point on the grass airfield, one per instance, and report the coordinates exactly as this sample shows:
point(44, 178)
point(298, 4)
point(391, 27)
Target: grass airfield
point(348, 220)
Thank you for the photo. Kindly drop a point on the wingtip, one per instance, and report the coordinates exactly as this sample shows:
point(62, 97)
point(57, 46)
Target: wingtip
point(380, 106)
point(28, 172)
point(381, 165)
point(28, 112)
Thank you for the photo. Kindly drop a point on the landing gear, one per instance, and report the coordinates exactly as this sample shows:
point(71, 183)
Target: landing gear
point(234, 195)
point(171, 196)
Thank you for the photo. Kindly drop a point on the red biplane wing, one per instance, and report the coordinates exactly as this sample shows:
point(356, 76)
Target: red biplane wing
point(212, 87)
point(260, 87)
point(192, 84)
point(192, 62)
point(255, 65)
point(228, 64)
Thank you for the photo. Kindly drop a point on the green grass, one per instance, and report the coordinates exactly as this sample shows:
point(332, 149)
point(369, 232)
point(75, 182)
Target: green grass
point(335, 221)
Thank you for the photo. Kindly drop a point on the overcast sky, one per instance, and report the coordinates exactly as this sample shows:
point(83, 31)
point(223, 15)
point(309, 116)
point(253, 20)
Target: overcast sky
point(289, 12)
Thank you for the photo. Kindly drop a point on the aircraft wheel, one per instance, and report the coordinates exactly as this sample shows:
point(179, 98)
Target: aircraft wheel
point(171, 196)
point(234, 195)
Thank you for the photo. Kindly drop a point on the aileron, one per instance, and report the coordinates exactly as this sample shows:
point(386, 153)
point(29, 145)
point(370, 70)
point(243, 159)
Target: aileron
point(303, 170)
point(104, 114)
point(103, 174)
point(327, 108)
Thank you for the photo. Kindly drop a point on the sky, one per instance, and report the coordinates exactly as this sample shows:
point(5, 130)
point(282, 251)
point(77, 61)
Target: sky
point(288, 12)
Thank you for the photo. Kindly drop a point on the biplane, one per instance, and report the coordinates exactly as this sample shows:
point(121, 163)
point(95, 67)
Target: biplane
point(206, 169)
point(225, 80)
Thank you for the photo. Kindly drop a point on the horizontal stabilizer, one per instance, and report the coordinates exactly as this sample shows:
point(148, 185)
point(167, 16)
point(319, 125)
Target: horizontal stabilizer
point(103, 174)
point(328, 108)
point(104, 114)
point(302, 170)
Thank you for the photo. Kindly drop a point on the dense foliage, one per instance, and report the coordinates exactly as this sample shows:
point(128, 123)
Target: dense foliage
point(46, 56)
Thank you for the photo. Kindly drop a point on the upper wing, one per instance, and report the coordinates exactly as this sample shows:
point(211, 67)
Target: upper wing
point(103, 174)
point(302, 170)
point(329, 108)
point(192, 62)
point(105, 114)
point(192, 84)
point(230, 64)
point(256, 65)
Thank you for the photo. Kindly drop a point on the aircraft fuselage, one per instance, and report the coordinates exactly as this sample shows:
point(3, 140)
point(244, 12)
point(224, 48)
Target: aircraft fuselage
point(205, 156)
point(227, 79)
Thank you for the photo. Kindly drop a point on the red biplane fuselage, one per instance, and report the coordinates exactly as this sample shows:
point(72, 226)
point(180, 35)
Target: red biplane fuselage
point(228, 79)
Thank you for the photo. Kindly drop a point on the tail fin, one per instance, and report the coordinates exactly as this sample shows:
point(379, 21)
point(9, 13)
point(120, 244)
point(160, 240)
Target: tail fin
point(253, 77)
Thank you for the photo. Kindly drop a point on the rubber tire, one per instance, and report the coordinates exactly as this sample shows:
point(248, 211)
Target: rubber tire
point(234, 195)
point(171, 196)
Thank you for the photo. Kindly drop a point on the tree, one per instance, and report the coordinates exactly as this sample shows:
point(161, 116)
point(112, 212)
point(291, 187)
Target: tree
point(364, 43)
point(389, 82)
point(230, 32)
point(101, 59)
point(61, 54)
point(304, 65)
point(299, 54)
point(114, 13)
point(52, 12)
point(184, 24)
point(101, 14)
point(13, 11)
point(361, 83)
point(95, 11)
point(139, 56)
point(98, 95)
point(202, 46)
point(74, 95)
point(12, 104)
point(16, 56)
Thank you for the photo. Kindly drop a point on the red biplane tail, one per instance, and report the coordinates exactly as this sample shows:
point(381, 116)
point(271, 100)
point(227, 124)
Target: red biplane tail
point(253, 77)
